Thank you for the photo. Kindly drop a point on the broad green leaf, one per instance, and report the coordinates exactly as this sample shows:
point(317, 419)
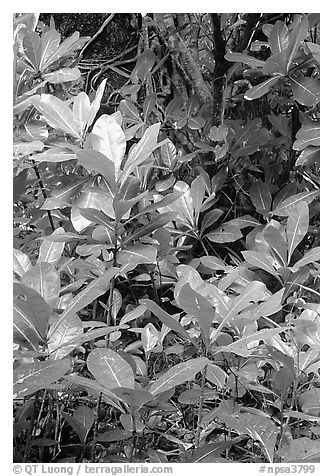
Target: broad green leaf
point(150, 337)
point(197, 306)
point(168, 153)
point(240, 347)
point(269, 307)
point(29, 378)
point(56, 113)
point(97, 287)
point(62, 50)
point(297, 36)
point(277, 244)
point(94, 160)
point(178, 375)
point(81, 111)
point(84, 415)
point(96, 216)
point(95, 388)
point(260, 428)
point(108, 138)
point(95, 105)
point(166, 319)
point(148, 105)
point(130, 112)
point(275, 65)
point(253, 292)
point(216, 375)
point(306, 90)
point(21, 262)
point(55, 154)
point(314, 49)
point(225, 234)
point(310, 256)
point(244, 58)
point(297, 226)
point(213, 263)
point(262, 89)
point(32, 47)
point(43, 278)
point(135, 398)
point(142, 150)
point(50, 252)
point(82, 420)
point(208, 452)
point(31, 315)
point(286, 206)
point(198, 189)
point(259, 260)
point(261, 196)
point(193, 396)
point(279, 37)
point(308, 156)
point(134, 314)
point(50, 43)
point(110, 369)
point(285, 192)
point(137, 254)
point(114, 435)
point(60, 197)
point(62, 336)
point(301, 450)
point(62, 75)
point(210, 218)
point(308, 135)
point(156, 456)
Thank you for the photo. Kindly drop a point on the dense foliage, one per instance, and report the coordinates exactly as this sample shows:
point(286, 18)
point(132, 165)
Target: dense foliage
point(166, 275)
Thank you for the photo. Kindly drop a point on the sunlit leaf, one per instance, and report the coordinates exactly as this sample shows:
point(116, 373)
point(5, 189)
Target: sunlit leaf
point(110, 369)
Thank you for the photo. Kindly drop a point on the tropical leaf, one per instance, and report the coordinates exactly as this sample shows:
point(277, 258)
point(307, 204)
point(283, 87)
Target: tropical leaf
point(259, 260)
point(108, 138)
point(56, 113)
point(29, 378)
point(62, 75)
point(168, 320)
point(262, 89)
point(260, 428)
point(50, 252)
point(142, 150)
point(306, 90)
point(82, 420)
point(311, 256)
point(297, 226)
point(243, 58)
point(87, 295)
point(208, 453)
point(278, 39)
point(261, 196)
point(297, 36)
point(286, 206)
point(253, 292)
point(21, 262)
point(110, 369)
point(178, 375)
point(137, 254)
point(225, 234)
point(308, 135)
point(95, 105)
point(199, 307)
point(31, 315)
point(63, 339)
point(81, 111)
point(43, 278)
point(216, 375)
